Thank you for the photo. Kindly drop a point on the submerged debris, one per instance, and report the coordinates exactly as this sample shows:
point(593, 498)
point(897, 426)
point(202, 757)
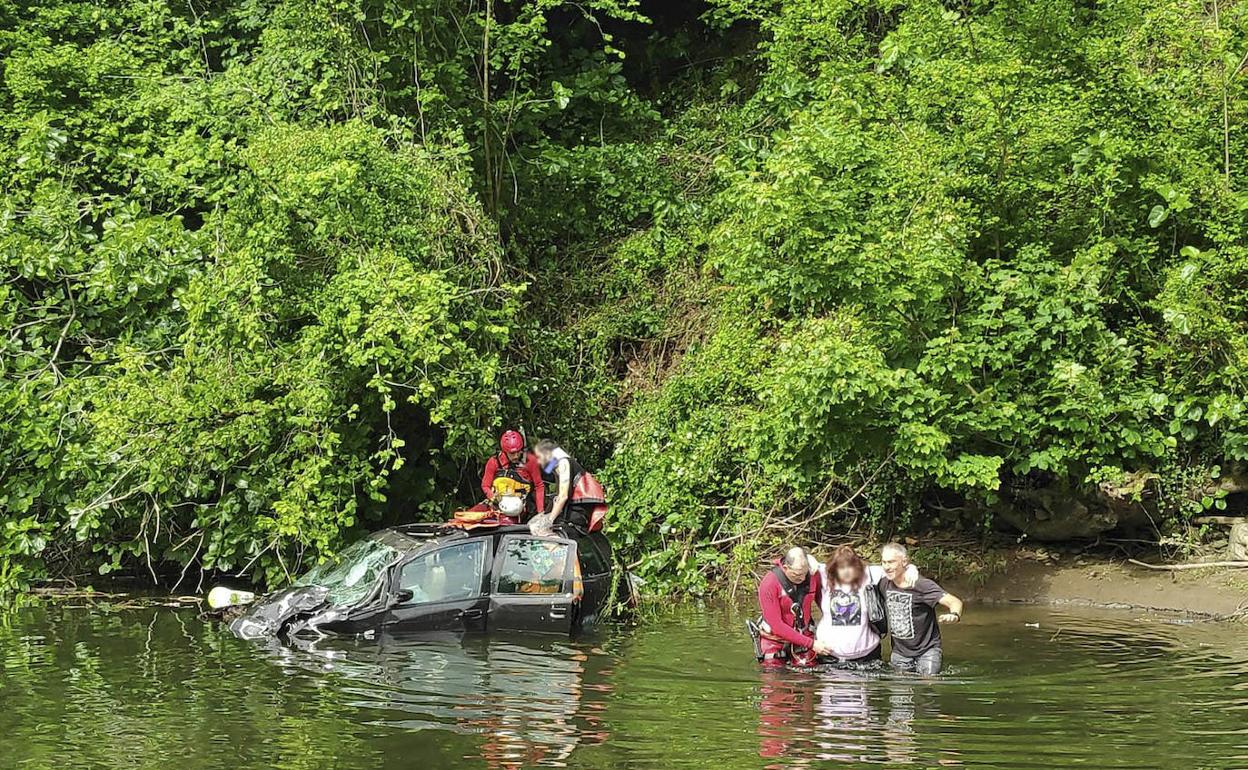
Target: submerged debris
point(89, 598)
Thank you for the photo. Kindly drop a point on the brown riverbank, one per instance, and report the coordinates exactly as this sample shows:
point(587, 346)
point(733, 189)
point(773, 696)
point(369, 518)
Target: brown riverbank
point(1024, 576)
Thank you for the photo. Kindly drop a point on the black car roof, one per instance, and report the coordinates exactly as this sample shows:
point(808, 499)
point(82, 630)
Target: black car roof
point(410, 537)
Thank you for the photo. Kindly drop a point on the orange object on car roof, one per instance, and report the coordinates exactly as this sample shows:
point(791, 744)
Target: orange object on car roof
point(470, 519)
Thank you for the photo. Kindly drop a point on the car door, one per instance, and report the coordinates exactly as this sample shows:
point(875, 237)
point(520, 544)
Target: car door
point(443, 589)
point(532, 585)
point(595, 576)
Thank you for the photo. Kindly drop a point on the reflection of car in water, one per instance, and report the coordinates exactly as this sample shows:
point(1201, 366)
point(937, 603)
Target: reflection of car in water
point(438, 578)
point(509, 699)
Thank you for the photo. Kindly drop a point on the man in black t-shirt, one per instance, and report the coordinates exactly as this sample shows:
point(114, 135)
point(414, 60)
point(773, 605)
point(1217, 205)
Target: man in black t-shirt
point(911, 610)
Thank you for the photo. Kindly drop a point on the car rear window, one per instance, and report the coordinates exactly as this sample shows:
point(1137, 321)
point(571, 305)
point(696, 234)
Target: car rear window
point(532, 566)
point(445, 575)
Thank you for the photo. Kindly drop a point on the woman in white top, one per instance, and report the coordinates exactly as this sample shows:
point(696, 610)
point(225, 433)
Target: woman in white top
point(844, 627)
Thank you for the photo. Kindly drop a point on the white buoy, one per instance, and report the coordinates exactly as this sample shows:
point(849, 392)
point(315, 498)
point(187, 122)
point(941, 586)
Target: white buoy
point(221, 597)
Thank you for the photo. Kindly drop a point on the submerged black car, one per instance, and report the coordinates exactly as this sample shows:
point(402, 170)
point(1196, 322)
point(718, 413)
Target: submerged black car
point(431, 577)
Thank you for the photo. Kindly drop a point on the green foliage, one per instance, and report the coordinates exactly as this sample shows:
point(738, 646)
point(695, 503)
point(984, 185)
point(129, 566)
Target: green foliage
point(346, 287)
point(232, 308)
point(984, 246)
point(275, 271)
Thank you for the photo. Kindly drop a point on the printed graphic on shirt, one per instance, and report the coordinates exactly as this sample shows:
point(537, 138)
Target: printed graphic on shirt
point(900, 608)
point(845, 608)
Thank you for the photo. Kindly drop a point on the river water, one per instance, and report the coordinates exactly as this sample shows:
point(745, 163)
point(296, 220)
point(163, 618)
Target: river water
point(159, 688)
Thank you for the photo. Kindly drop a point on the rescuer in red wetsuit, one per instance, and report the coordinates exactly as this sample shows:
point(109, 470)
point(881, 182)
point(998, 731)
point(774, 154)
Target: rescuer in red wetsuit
point(786, 596)
point(515, 462)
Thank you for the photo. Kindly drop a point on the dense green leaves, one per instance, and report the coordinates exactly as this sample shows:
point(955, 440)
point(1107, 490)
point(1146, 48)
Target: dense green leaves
point(232, 307)
point(987, 246)
point(275, 271)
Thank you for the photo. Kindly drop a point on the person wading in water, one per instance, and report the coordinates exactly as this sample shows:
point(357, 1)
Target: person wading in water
point(786, 595)
point(852, 617)
point(844, 624)
point(910, 602)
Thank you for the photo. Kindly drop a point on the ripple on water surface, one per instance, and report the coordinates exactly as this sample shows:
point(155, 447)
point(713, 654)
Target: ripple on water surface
point(154, 689)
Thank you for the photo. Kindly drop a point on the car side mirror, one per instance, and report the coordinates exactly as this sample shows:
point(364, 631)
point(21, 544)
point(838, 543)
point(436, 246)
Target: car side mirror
point(403, 596)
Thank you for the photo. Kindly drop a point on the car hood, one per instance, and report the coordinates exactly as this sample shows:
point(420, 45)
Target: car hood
point(277, 610)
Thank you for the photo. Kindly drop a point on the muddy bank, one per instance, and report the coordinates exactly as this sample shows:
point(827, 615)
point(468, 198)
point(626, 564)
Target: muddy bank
point(1025, 577)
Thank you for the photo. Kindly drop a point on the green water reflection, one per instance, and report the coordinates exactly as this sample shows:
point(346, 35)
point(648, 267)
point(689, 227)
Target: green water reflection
point(158, 688)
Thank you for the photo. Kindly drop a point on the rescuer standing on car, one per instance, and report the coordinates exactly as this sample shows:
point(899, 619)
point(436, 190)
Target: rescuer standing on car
point(574, 493)
point(515, 463)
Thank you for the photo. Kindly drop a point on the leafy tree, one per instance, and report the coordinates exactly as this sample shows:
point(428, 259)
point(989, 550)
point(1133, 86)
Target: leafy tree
point(276, 271)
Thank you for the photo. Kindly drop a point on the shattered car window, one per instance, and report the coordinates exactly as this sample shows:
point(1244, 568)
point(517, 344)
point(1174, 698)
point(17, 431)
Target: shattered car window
point(350, 577)
point(533, 567)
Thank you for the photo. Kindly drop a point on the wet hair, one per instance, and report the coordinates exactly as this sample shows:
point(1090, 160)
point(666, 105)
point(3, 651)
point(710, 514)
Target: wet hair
point(896, 548)
point(795, 556)
point(545, 445)
point(846, 556)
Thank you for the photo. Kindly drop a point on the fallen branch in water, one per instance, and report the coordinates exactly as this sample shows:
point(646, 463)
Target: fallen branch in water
point(49, 592)
point(121, 601)
point(1192, 565)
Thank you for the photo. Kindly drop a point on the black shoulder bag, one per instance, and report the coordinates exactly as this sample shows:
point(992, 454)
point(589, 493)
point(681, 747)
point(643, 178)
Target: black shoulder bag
point(873, 604)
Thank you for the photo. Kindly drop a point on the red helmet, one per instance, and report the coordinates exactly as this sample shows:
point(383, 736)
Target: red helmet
point(511, 441)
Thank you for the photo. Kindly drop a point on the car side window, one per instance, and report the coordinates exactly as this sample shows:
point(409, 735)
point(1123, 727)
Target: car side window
point(448, 574)
point(591, 559)
point(532, 566)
